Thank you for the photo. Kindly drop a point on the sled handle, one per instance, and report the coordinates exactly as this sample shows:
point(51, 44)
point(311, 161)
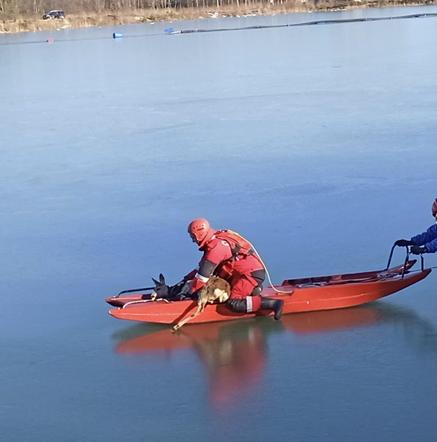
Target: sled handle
point(144, 289)
point(391, 256)
point(407, 257)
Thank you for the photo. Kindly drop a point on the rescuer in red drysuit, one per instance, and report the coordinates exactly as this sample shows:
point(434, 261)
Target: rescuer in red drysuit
point(231, 257)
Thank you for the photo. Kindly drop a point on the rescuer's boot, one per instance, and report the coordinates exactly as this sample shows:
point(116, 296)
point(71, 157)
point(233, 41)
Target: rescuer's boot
point(273, 304)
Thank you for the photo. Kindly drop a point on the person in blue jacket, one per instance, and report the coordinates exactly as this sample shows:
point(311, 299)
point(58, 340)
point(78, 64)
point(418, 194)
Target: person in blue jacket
point(425, 242)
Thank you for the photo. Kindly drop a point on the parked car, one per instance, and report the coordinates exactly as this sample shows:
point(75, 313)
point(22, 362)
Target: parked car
point(55, 13)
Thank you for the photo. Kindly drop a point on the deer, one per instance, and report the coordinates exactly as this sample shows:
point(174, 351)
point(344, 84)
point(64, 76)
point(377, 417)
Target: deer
point(216, 290)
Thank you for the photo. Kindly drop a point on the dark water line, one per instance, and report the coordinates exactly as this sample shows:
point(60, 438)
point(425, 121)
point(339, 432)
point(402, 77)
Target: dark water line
point(64, 40)
point(170, 31)
point(310, 23)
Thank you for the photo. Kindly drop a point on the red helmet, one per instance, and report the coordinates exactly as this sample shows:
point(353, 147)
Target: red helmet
point(199, 230)
point(434, 207)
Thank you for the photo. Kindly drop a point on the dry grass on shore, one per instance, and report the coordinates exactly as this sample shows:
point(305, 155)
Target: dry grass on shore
point(72, 21)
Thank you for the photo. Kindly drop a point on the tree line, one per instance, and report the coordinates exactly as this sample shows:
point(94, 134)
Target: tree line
point(16, 8)
point(37, 7)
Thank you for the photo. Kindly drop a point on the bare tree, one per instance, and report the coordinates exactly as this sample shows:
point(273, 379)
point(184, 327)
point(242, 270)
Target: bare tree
point(36, 7)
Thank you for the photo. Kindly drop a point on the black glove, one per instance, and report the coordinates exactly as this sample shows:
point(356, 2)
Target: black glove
point(403, 243)
point(175, 290)
point(418, 250)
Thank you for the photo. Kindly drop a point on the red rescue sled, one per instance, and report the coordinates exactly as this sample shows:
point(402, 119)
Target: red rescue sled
point(309, 294)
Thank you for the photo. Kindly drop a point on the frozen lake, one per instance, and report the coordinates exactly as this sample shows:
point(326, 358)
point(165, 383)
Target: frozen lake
point(317, 143)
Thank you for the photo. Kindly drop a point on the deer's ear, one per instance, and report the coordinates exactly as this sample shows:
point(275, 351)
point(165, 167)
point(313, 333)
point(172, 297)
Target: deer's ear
point(161, 278)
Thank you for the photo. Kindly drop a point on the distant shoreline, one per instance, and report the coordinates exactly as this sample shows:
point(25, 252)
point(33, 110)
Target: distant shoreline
point(115, 18)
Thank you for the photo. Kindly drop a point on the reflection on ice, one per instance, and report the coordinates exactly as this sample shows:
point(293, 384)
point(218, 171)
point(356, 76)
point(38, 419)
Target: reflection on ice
point(234, 355)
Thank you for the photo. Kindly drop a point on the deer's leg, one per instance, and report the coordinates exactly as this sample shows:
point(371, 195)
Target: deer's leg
point(183, 321)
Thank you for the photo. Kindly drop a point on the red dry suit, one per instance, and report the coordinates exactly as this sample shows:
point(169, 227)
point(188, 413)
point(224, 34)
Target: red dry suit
point(230, 256)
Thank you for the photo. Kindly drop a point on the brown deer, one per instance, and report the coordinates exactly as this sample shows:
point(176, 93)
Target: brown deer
point(215, 290)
